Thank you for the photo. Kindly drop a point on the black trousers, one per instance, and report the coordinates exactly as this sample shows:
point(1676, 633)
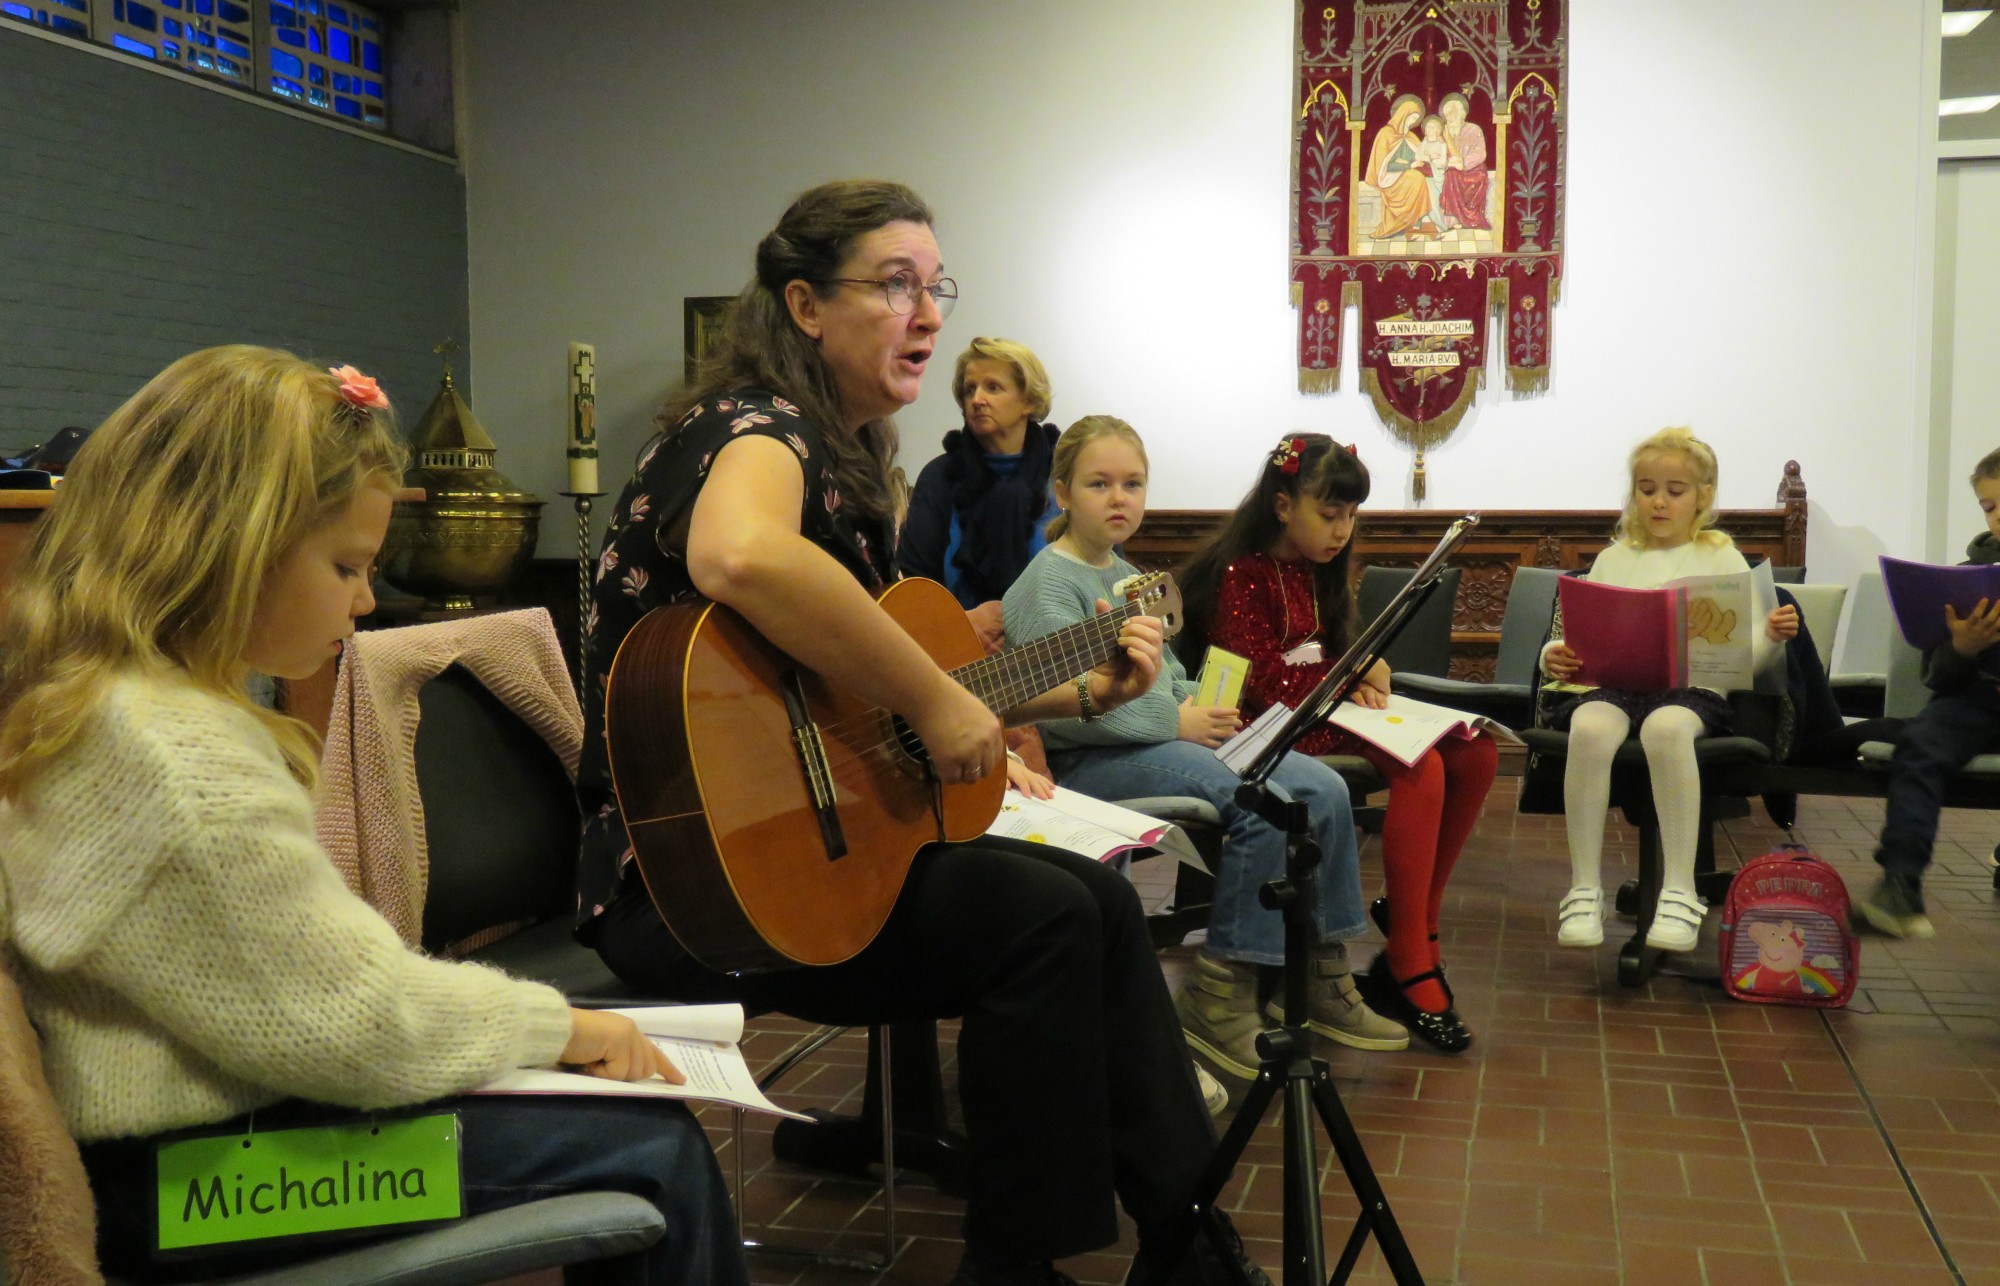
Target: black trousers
point(1073, 1073)
point(1943, 737)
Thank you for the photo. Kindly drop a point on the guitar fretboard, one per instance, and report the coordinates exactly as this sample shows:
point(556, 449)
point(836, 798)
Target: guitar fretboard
point(1006, 680)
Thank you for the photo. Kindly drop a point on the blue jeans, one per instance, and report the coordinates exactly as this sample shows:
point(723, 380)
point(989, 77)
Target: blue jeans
point(1934, 745)
point(1253, 851)
point(511, 1151)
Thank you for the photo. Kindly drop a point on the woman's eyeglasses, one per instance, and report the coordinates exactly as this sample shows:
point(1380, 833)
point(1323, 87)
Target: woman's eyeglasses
point(902, 288)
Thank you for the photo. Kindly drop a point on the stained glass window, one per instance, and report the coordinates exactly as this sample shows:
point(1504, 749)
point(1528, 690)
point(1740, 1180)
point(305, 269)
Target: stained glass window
point(327, 57)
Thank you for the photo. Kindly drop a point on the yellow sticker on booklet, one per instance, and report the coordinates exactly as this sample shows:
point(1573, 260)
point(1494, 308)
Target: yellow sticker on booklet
point(1222, 676)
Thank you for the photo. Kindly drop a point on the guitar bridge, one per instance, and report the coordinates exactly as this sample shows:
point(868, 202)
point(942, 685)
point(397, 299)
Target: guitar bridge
point(812, 758)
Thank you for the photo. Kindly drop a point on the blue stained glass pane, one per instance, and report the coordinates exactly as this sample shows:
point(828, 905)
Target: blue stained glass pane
point(118, 10)
point(233, 12)
point(282, 15)
point(171, 50)
point(312, 6)
point(318, 98)
point(206, 8)
point(334, 13)
point(131, 46)
point(316, 74)
point(81, 6)
point(21, 11)
point(348, 107)
point(371, 56)
point(374, 88)
point(201, 37)
point(369, 24)
point(288, 88)
point(171, 4)
point(229, 46)
point(313, 41)
point(141, 16)
point(345, 84)
point(70, 26)
point(296, 39)
point(339, 45)
point(288, 64)
point(171, 26)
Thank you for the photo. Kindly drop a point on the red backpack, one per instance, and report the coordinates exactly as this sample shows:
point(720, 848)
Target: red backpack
point(1785, 935)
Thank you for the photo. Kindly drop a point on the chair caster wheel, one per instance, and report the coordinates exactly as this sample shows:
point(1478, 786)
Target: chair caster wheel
point(1626, 903)
point(1632, 967)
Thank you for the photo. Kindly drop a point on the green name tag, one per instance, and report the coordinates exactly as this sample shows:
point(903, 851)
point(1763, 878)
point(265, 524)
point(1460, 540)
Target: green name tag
point(288, 1183)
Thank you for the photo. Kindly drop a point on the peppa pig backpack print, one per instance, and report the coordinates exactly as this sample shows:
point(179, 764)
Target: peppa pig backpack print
point(1785, 937)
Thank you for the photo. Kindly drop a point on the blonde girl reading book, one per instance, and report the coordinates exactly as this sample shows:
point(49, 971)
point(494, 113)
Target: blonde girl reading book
point(1163, 744)
point(1666, 533)
point(1273, 587)
point(185, 947)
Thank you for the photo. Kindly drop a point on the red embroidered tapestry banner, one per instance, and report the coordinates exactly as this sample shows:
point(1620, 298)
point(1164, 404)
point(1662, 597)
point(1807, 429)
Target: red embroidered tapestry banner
point(1427, 192)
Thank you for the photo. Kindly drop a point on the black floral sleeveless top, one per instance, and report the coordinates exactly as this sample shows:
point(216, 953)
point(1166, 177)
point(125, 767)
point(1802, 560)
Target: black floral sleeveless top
point(643, 566)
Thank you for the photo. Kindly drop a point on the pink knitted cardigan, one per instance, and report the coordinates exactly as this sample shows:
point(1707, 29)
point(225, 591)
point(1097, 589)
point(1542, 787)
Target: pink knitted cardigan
point(370, 819)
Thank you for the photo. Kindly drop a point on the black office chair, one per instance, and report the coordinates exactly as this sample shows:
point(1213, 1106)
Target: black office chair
point(1424, 646)
point(1510, 698)
point(1733, 768)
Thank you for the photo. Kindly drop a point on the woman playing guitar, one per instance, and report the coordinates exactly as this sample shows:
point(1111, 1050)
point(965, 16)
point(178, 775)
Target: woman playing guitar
point(768, 490)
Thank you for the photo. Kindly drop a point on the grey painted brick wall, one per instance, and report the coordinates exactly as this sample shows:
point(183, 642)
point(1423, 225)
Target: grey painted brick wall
point(142, 218)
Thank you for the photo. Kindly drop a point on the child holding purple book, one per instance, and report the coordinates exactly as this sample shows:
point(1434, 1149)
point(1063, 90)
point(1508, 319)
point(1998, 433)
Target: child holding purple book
point(1961, 721)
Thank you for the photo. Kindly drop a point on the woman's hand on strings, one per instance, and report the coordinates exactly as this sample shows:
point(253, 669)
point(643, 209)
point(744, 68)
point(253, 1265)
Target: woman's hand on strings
point(612, 1047)
point(961, 735)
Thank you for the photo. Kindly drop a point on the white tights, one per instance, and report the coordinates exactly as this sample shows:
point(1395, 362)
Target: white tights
point(1668, 734)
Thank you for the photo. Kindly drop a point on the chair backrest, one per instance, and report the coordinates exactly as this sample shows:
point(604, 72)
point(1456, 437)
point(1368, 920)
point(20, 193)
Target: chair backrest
point(499, 814)
point(1531, 601)
point(1820, 606)
point(1869, 628)
point(1905, 693)
point(1424, 646)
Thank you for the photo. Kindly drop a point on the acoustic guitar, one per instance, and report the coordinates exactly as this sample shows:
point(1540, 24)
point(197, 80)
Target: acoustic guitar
point(773, 816)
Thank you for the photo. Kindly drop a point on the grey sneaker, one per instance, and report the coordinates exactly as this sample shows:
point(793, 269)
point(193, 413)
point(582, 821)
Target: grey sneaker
point(1335, 1009)
point(1217, 1004)
point(1895, 907)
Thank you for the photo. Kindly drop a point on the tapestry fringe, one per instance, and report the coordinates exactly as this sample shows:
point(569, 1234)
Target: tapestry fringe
point(1529, 380)
point(1319, 383)
point(1432, 431)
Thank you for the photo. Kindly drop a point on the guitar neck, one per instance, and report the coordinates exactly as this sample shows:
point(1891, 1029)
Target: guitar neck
point(1011, 677)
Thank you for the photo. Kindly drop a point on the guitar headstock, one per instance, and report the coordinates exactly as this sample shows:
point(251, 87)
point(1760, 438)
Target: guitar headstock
point(1155, 594)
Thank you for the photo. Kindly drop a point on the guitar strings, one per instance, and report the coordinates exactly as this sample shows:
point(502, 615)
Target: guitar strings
point(1104, 626)
point(1024, 664)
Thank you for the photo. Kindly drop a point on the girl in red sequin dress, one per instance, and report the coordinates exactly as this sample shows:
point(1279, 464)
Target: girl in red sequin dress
point(1274, 587)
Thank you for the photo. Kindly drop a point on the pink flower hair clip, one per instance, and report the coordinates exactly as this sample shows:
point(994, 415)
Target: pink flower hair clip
point(358, 389)
point(1286, 458)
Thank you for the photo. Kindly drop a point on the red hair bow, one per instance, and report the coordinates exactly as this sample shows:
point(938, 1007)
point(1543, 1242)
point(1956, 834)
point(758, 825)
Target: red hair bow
point(1286, 458)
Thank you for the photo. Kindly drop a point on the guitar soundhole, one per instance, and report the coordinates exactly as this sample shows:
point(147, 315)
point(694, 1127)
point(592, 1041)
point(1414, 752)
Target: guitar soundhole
point(910, 744)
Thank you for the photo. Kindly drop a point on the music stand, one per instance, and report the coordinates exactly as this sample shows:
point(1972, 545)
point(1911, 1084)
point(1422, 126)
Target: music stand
point(1287, 1051)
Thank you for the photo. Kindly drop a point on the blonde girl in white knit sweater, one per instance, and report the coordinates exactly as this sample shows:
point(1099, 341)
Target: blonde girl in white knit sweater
point(1665, 533)
point(185, 948)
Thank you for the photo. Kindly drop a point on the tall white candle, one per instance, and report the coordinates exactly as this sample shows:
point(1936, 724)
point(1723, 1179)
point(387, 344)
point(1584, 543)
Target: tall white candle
point(583, 419)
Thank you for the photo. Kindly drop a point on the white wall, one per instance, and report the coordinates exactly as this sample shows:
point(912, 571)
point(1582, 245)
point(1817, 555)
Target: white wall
point(1968, 271)
point(1110, 177)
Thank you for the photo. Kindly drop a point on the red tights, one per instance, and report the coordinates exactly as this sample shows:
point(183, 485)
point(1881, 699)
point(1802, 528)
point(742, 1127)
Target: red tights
point(1433, 806)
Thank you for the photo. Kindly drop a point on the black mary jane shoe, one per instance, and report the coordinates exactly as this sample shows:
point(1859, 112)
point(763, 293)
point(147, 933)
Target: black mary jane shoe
point(1445, 1032)
point(1378, 911)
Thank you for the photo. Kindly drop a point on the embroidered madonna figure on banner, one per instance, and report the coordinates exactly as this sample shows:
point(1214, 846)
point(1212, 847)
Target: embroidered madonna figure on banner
point(1427, 193)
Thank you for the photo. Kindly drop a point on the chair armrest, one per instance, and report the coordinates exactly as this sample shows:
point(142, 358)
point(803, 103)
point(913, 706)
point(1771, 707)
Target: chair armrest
point(1181, 810)
point(1508, 703)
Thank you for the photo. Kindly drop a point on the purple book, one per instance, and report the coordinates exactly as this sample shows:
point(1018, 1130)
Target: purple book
point(1918, 593)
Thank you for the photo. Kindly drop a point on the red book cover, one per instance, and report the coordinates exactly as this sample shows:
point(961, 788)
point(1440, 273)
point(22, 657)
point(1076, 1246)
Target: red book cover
point(1628, 639)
